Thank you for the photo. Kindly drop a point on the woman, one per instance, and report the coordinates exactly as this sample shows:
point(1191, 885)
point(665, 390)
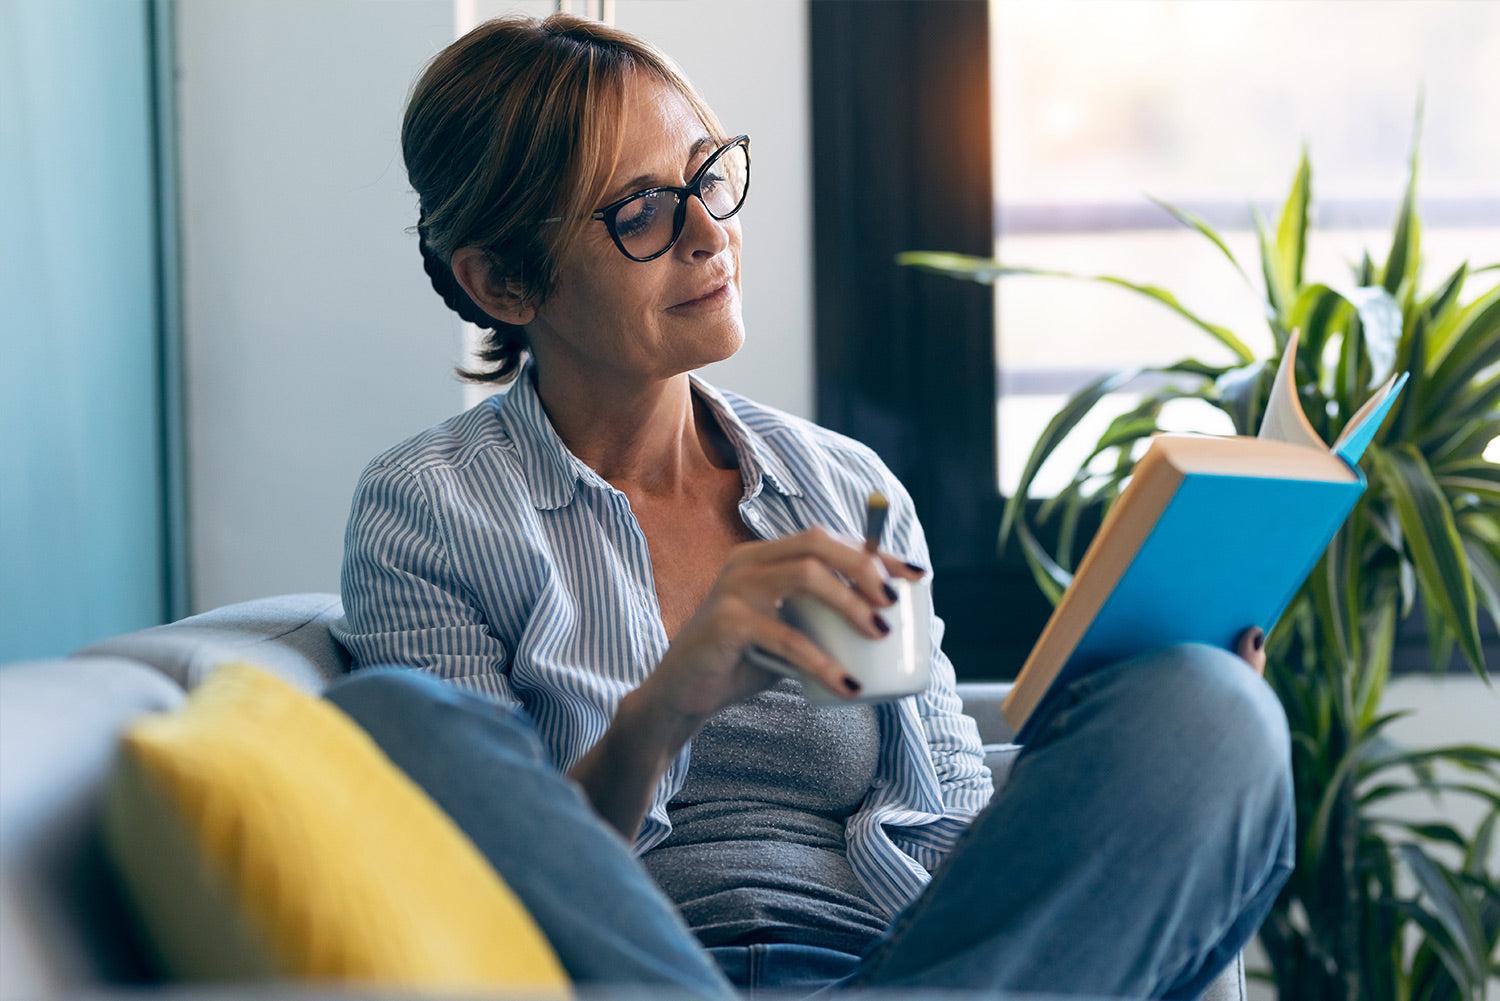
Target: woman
point(586, 557)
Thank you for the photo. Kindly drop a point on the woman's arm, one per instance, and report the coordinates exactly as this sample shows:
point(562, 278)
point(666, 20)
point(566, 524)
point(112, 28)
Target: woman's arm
point(619, 773)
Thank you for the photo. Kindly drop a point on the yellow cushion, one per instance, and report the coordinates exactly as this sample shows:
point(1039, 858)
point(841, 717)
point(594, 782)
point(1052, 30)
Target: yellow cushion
point(263, 834)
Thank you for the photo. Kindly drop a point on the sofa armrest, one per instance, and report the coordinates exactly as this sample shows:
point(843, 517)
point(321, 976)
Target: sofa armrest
point(287, 633)
point(982, 700)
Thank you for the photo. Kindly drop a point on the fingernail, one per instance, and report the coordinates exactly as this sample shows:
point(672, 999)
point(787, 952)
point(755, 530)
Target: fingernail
point(1260, 638)
point(851, 684)
point(916, 568)
point(890, 592)
point(880, 623)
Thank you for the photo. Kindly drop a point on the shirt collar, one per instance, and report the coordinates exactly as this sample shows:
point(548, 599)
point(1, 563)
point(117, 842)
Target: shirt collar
point(553, 472)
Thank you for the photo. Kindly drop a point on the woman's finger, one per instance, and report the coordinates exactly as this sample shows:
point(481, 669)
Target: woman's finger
point(896, 565)
point(810, 575)
point(795, 647)
point(1251, 646)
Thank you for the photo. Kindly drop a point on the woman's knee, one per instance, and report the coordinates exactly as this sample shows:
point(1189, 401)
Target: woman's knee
point(1212, 707)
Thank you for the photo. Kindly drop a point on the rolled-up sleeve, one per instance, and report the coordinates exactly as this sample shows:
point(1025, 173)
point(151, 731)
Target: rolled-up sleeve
point(405, 604)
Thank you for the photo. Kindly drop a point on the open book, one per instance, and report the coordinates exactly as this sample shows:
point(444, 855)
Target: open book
point(1212, 534)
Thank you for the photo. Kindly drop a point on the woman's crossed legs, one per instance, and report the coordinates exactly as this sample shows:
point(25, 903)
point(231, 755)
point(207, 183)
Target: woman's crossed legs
point(1137, 844)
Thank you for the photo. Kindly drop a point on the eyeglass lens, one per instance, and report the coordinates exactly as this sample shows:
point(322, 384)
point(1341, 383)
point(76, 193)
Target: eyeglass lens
point(645, 224)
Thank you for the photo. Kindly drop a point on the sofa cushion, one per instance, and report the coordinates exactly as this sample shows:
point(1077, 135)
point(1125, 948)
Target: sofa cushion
point(64, 923)
point(286, 634)
point(264, 835)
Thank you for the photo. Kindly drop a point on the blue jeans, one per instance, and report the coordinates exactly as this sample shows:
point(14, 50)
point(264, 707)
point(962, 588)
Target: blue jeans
point(1138, 843)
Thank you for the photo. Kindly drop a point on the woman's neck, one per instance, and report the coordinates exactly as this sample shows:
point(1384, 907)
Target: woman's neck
point(655, 439)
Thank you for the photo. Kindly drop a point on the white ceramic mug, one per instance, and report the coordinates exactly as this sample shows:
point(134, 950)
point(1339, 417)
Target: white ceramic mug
point(891, 667)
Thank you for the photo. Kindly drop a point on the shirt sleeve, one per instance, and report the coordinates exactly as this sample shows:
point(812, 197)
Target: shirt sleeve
point(952, 736)
point(404, 601)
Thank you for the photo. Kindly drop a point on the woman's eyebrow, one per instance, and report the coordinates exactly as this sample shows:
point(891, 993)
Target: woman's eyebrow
point(645, 180)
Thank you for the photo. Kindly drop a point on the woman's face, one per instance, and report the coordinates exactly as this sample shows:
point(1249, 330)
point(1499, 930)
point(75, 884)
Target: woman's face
point(610, 312)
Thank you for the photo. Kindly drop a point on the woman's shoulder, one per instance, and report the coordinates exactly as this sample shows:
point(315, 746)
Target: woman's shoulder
point(455, 442)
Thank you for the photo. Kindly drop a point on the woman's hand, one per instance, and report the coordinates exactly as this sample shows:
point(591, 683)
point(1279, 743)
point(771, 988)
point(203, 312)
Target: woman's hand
point(1251, 645)
point(704, 670)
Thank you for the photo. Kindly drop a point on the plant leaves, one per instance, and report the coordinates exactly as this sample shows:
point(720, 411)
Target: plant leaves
point(1432, 538)
point(1057, 429)
point(1451, 908)
point(1473, 347)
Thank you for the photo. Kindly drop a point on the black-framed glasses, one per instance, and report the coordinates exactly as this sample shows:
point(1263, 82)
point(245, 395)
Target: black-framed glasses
point(646, 224)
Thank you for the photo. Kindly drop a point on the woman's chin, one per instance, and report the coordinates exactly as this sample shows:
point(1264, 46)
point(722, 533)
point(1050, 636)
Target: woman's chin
point(717, 341)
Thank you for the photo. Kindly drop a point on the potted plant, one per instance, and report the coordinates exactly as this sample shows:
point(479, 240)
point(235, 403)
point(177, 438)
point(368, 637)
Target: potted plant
point(1378, 907)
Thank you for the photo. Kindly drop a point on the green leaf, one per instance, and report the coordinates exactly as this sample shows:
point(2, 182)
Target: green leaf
point(1278, 292)
point(1380, 325)
point(1291, 229)
point(1437, 306)
point(1478, 852)
point(1051, 578)
point(1432, 538)
point(1377, 793)
point(1195, 222)
point(982, 269)
point(1473, 347)
point(1485, 569)
point(1376, 665)
point(1471, 757)
point(1474, 476)
point(1466, 442)
point(1438, 937)
point(1242, 392)
point(1451, 908)
point(1405, 241)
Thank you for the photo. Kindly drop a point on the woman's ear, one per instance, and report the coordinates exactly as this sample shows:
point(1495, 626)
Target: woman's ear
point(503, 299)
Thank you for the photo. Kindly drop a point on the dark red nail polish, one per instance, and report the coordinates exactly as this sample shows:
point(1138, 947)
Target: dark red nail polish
point(918, 569)
point(851, 684)
point(880, 623)
point(890, 592)
point(1260, 639)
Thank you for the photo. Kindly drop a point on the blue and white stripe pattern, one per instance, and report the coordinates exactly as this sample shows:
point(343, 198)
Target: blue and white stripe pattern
point(484, 551)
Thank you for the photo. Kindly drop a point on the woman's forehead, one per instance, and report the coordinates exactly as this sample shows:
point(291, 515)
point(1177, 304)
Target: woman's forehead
point(659, 131)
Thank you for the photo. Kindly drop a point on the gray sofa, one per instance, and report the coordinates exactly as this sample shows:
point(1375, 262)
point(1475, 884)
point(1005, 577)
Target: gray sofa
point(65, 930)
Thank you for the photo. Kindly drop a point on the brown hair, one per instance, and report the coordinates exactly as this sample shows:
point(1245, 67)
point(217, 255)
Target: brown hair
point(517, 121)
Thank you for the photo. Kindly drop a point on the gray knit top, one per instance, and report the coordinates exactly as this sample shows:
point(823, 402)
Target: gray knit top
point(756, 851)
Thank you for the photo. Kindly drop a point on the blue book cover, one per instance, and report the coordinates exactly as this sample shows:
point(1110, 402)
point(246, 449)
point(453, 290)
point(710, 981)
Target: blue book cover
point(1213, 534)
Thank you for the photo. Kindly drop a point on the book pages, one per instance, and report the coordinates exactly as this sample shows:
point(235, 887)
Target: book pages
point(1284, 419)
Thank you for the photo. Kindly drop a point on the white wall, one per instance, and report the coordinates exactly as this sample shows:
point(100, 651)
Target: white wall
point(313, 339)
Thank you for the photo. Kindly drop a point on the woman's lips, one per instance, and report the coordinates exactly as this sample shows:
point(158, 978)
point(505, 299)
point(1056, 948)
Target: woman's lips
point(714, 299)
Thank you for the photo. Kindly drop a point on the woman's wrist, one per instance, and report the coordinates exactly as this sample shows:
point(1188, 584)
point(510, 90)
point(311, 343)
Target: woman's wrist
point(657, 718)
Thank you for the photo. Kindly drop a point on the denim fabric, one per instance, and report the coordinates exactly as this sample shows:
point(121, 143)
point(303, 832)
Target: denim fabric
point(1136, 846)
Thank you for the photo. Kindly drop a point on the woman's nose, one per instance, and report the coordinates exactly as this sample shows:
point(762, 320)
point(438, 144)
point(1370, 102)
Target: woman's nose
point(701, 231)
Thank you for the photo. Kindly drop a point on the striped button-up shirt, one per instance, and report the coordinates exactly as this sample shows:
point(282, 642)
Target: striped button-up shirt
point(484, 551)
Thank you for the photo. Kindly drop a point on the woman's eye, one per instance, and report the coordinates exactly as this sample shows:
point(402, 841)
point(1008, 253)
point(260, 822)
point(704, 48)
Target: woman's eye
point(712, 180)
point(638, 220)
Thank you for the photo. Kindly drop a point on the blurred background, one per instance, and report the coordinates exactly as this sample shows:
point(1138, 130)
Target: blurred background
point(215, 313)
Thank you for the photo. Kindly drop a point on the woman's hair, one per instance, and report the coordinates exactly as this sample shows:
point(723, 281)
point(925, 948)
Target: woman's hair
point(517, 121)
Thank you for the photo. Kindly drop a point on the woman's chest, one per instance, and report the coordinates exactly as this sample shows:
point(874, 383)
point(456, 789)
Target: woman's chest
point(689, 546)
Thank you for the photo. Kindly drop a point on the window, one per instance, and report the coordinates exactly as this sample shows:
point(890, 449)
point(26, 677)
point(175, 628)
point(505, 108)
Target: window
point(1205, 105)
